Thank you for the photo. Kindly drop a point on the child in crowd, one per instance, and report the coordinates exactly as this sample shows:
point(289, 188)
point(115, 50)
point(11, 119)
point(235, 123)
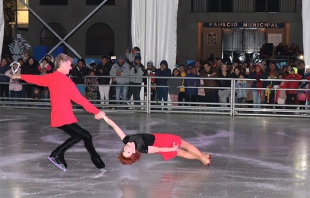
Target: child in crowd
point(44, 67)
point(280, 95)
point(36, 94)
point(241, 93)
point(173, 88)
point(91, 86)
point(302, 96)
point(270, 92)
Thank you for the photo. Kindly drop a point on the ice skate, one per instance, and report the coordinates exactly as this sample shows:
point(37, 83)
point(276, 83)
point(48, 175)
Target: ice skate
point(57, 163)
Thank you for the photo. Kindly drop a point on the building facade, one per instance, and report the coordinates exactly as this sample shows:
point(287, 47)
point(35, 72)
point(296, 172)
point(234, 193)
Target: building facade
point(221, 27)
point(234, 27)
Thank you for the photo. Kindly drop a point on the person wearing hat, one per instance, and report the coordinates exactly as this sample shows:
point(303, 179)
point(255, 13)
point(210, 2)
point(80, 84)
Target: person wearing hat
point(120, 69)
point(15, 86)
point(136, 70)
point(132, 53)
point(162, 92)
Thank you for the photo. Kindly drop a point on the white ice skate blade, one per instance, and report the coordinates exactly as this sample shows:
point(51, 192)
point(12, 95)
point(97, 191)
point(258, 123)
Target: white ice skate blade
point(52, 160)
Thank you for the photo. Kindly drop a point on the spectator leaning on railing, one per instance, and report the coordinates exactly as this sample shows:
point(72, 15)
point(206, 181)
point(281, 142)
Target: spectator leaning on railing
point(120, 69)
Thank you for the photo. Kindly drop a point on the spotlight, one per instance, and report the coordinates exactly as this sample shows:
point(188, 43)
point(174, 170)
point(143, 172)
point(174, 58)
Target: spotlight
point(300, 57)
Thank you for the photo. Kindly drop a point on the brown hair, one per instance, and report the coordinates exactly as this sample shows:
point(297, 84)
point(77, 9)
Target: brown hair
point(130, 160)
point(62, 58)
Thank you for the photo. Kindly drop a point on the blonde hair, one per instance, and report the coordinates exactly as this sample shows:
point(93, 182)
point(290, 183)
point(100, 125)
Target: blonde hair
point(62, 58)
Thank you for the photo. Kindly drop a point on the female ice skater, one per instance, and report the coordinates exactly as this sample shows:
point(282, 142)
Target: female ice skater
point(62, 92)
point(167, 145)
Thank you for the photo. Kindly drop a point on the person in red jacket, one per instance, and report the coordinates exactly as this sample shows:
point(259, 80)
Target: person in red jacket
point(291, 94)
point(62, 92)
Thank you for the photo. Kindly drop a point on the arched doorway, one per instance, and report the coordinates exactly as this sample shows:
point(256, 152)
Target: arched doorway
point(100, 40)
point(48, 39)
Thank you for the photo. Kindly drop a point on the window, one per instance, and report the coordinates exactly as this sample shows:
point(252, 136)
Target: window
point(260, 5)
point(212, 5)
point(241, 43)
point(267, 6)
point(97, 2)
point(220, 5)
point(227, 6)
point(20, 5)
point(100, 40)
point(273, 6)
point(53, 2)
point(48, 39)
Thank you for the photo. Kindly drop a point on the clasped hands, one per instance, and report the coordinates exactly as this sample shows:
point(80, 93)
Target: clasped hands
point(99, 115)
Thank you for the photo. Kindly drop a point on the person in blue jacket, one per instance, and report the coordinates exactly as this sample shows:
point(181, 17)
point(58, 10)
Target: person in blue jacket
point(190, 86)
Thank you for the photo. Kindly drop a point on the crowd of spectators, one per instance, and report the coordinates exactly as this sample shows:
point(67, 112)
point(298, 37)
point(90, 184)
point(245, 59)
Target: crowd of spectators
point(204, 85)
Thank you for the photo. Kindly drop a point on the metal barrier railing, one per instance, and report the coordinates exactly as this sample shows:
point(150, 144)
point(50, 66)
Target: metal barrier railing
point(145, 104)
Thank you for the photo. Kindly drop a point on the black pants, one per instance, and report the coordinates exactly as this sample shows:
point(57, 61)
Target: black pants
point(77, 134)
point(290, 100)
point(181, 97)
point(4, 90)
point(135, 91)
point(211, 96)
point(191, 98)
point(28, 90)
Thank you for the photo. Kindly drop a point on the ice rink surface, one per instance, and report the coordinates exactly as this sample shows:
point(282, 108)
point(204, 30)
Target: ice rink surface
point(254, 157)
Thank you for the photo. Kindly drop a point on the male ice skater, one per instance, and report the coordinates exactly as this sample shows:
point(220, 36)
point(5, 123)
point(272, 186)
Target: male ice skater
point(62, 92)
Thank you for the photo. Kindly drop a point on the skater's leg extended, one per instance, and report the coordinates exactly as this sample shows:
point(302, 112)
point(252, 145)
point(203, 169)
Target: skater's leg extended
point(60, 150)
point(205, 159)
point(77, 132)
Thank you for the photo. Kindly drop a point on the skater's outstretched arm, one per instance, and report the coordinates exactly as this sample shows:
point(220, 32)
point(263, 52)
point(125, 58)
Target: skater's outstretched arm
point(155, 149)
point(117, 130)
